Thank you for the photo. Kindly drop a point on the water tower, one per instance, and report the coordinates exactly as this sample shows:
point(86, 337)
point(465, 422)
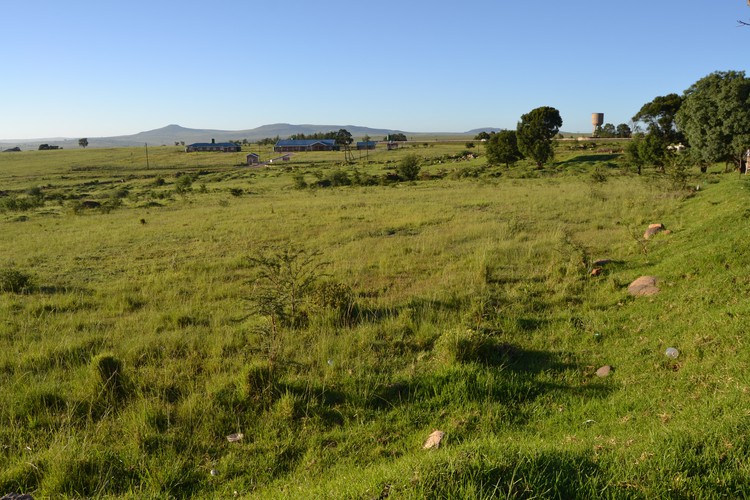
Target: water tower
point(597, 120)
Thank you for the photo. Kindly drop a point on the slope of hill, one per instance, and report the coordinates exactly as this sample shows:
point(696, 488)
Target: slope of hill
point(190, 328)
point(176, 133)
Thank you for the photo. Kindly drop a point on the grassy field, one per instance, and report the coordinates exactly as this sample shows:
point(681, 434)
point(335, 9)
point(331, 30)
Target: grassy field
point(334, 315)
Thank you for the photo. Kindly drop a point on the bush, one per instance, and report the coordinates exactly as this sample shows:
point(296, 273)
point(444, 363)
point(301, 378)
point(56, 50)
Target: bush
point(599, 175)
point(299, 181)
point(339, 178)
point(336, 299)
point(14, 281)
point(408, 169)
point(184, 184)
point(20, 204)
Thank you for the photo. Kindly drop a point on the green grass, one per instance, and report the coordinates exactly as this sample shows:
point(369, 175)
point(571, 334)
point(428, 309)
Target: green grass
point(142, 335)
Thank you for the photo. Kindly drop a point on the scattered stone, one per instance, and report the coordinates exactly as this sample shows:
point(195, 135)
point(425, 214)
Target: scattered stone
point(597, 271)
point(17, 496)
point(433, 441)
point(214, 472)
point(645, 285)
point(604, 371)
point(652, 230)
point(233, 438)
point(671, 353)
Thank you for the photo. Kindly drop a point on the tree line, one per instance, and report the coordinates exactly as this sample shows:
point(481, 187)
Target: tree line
point(709, 123)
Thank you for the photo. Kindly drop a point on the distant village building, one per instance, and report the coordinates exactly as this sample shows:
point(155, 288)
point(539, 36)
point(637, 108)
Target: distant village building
point(367, 145)
point(300, 145)
point(224, 147)
point(392, 145)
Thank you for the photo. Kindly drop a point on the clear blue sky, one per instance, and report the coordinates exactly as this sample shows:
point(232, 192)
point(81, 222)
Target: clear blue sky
point(98, 68)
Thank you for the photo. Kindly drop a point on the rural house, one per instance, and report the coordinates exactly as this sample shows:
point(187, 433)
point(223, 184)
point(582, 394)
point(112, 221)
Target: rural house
point(298, 145)
point(367, 145)
point(224, 147)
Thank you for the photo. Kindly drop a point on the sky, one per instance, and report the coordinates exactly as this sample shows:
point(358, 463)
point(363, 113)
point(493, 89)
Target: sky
point(101, 68)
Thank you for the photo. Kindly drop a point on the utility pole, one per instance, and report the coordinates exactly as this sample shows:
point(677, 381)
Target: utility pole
point(147, 165)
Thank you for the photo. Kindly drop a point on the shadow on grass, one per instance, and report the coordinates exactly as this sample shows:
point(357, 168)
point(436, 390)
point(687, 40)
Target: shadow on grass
point(499, 373)
point(557, 474)
point(590, 158)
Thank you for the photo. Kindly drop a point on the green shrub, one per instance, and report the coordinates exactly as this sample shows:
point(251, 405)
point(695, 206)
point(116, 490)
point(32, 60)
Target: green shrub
point(299, 181)
point(408, 169)
point(184, 184)
point(338, 299)
point(20, 203)
point(599, 175)
point(14, 281)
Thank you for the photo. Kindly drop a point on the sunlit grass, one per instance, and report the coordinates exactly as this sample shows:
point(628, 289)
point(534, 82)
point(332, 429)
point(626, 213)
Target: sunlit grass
point(471, 309)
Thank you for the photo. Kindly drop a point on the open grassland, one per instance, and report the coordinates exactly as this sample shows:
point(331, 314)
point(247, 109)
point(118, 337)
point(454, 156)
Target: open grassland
point(335, 316)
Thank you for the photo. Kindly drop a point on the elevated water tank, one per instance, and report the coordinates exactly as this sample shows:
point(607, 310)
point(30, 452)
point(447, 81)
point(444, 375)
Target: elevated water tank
point(597, 120)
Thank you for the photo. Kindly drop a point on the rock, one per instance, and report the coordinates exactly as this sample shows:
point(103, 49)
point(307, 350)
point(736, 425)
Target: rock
point(597, 271)
point(17, 496)
point(652, 230)
point(672, 353)
point(433, 441)
point(233, 438)
point(604, 371)
point(645, 285)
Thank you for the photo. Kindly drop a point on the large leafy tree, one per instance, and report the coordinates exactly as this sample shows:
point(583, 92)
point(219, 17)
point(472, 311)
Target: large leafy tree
point(651, 148)
point(535, 132)
point(659, 116)
point(624, 131)
point(502, 147)
point(715, 117)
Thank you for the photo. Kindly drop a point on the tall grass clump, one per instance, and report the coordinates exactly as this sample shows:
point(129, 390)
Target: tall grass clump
point(15, 281)
point(110, 387)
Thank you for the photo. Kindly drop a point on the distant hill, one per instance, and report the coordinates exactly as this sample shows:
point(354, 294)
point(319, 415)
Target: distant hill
point(175, 133)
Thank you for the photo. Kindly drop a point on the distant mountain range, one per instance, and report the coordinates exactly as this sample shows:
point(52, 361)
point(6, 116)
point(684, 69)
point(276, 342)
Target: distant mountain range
point(174, 133)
